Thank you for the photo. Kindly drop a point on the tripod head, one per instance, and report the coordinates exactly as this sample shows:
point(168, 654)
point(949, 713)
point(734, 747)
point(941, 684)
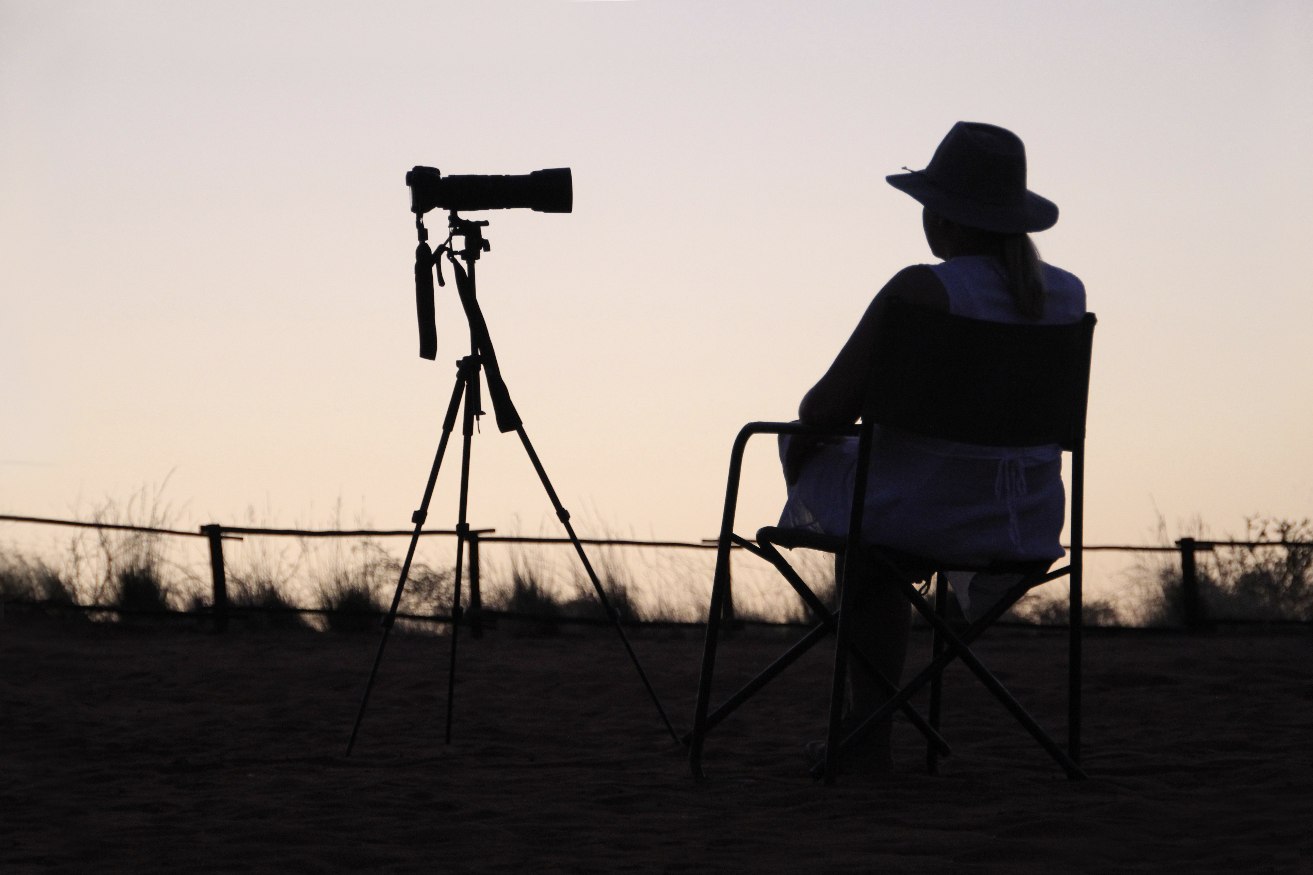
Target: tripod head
point(426, 261)
point(472, 232)
point(481, 351)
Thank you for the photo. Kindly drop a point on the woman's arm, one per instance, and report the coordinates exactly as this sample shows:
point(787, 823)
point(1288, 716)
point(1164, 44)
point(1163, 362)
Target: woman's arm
point(837, 398)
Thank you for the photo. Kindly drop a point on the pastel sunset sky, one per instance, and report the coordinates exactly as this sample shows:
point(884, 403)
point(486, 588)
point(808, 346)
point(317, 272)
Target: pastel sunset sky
point(205, 243)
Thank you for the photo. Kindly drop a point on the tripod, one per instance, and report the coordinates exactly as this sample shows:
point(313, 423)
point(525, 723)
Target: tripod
point(466, 399)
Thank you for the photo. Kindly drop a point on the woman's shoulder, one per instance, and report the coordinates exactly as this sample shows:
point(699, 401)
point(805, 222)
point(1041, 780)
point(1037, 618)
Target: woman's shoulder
point(916, 284)
point(1055, 276)
point(1065, 291)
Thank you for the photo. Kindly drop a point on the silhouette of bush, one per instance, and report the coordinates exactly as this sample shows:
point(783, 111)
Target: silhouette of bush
point(618, 596)
point(1272, 580)
point(1275, 579)
point(263, 606)
point(349, 606)
point(25, 582)
point(428, 590)
point(538, 610)
point(1053, 610)
point(138, 589)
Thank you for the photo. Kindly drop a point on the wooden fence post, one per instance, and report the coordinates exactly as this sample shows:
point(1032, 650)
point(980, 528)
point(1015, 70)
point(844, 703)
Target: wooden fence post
point(1191, 603)
point(476, 598)
point(214, 534)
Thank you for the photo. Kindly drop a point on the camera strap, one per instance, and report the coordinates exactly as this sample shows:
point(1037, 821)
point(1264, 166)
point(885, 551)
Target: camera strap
point(508, 418)
point(424, 308)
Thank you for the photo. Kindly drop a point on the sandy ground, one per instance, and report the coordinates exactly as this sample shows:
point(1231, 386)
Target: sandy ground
point(166, 749)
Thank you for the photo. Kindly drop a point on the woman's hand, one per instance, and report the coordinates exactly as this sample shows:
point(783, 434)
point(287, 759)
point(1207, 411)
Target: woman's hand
point(798, 449)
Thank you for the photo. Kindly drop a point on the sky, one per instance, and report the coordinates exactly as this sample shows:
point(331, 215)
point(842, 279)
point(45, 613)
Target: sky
point(206, 244)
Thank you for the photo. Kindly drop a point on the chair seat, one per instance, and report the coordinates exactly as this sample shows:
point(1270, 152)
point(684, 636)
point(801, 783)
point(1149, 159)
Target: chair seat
point(801, 539)
point(805, 539)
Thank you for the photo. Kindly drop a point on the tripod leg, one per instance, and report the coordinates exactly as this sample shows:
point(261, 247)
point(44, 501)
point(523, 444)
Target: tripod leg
point(448, 424)
point(564, 516)
point(508, 420)
point(472, 410)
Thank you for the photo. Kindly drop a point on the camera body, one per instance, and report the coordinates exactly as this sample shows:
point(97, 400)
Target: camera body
point(547, 191)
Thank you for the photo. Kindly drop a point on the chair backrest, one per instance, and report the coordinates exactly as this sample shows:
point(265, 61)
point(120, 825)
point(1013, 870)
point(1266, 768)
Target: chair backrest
point(979, 382)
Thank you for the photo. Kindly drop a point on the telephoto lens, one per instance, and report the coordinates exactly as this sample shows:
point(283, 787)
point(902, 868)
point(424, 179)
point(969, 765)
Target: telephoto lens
point(546, 191)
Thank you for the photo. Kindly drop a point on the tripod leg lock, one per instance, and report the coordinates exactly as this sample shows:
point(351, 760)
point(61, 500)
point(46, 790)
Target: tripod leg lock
point(418, 517)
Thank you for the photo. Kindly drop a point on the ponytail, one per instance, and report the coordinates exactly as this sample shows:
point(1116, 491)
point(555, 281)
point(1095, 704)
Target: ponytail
point(1020, 259)
point(1025, 274)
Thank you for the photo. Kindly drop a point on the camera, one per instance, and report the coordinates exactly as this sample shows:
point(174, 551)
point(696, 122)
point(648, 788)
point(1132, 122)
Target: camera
point(547, 191)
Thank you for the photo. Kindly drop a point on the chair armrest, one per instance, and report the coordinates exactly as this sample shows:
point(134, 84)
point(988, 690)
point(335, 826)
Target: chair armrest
point(741, 443)
point(795, 427)
point(798, 427)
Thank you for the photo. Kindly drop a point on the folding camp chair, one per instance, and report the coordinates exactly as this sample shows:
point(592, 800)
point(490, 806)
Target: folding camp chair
point(949, 377)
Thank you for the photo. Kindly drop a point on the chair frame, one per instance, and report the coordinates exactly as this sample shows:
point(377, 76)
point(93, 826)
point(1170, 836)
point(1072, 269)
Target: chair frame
point(1042, 380)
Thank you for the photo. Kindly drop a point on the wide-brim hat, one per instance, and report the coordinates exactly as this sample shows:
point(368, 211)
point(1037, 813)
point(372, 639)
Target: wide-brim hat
point(977, 177)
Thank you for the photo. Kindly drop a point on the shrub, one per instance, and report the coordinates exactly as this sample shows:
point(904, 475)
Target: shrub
point(263, 570)
point(138, 589)
point(52, 588)
point(349, 606)
point(529, 599)
point(128, 561)
point(1053, 610)
point(15, 584)
point(265, 606)
point(428, 590)
point(618, 596)
point(1270, 580)
point(23, 581)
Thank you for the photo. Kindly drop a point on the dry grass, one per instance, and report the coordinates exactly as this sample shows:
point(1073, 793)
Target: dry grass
point(270, 581)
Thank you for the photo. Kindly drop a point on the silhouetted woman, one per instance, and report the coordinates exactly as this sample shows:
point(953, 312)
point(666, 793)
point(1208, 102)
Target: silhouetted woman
point(961, 502)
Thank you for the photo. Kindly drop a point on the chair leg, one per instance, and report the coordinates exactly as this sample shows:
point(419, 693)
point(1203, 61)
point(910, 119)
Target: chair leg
point(1075, 632)
point(724, 709)
point(767, 551)
point(842, 634)
point(959, 648)
point(719, 586)
point(706, 718)
point(936, 684)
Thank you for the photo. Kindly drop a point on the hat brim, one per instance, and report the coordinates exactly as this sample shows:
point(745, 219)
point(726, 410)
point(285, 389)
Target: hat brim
point(1033, 213)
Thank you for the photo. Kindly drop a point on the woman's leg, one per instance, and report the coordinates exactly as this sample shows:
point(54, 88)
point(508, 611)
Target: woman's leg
point(879, 626)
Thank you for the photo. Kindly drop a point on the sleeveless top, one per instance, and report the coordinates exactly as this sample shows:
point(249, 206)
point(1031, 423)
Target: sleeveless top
point(958, 502)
